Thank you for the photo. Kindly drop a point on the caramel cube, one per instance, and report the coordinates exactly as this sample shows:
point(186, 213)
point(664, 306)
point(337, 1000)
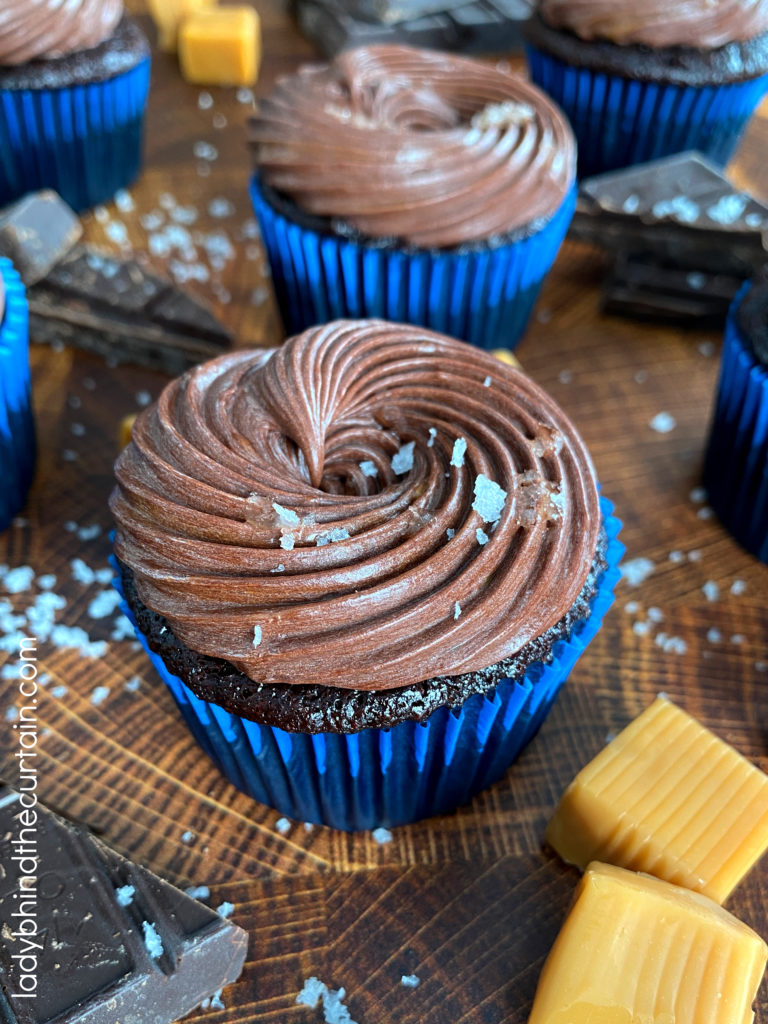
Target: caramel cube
point(668, 797)
point(637, 950)
point(168, 16)
point(221, 47)
point(126, 426)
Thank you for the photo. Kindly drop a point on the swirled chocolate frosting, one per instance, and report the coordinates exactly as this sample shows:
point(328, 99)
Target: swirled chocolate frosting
point(369, 506)
point(42, 29)
point(701, 24)
point(425, 147)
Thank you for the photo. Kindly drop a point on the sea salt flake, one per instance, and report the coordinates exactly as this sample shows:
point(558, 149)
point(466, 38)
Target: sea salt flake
point(187, 837)
point(133, 684)
point(332, 536)
point(489, 499)
point(124, 895)
point(631, 204)
point(382, 836)
point(219, 208)
point(432, 436)
point(459, 451)
point(705, 512)
point(636, 570)
point(482, 536)
point(738, 638)
point(278, 568)
point(256, 636)
point(204, 151)
point(19, 579)
point(450, 533)
point(456, 610)
point(283, 825)
point(369, 468)
point(99, 695)
point(287, 542)
point(410, 980)
point(402, 460)
point(711, 590)
point(663, 423)
point(225, 909)
point(698, 495)
point(104, 604)
point(205, 101)
point(152, 941)
point(198, 892)
point(655, 614)
point(641, 628)
point(124, 201)
point(680, 208)
point(728, 209)
point(706, 348)
point(487, 382)
point(676, 556)
point(287, 516)
point(737, 587)
point(632, 607)
point(714, 636)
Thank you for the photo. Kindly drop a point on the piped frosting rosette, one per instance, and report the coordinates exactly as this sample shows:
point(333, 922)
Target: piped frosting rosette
point(370, 505)
point(42, 29)
point(426, 147)
point(702, 24)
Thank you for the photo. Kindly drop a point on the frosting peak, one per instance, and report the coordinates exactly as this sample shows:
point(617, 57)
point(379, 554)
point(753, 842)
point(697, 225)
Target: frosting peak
point(702, 24)
point(425, 147)
point(44, 29)
point(371, 505)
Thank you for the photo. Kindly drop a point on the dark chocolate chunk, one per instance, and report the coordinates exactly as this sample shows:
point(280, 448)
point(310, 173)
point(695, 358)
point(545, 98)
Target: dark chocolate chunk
point(116, 308)
point(90, 938)
point(480, 26)
point(681, 209)
point(37, 232)
point(670, 65)
point(316, 708)
point(647, 290)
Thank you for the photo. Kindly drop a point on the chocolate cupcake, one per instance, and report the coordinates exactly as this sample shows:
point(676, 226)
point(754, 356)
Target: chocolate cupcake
point(17, 431)
point(642, 80)
point(413, 185)
point(736, 465)
point(74, 81)
point(363, 564)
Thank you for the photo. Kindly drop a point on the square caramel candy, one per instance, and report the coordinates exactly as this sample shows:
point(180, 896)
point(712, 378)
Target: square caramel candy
point(168, 16)
point(221, 46)
point(668, 797)
point(637, 950)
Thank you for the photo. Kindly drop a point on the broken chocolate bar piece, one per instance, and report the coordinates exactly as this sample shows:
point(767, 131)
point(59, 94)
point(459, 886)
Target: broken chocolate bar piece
point(90, 938)
point(116, 308)
point(37, 232)
point(655, 290)
point(480, 26)
point(681, 209)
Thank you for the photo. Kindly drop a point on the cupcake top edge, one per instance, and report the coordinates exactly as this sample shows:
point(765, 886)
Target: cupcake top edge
point(33, 30)
point(425, 147)
point(371, 506)
point(700, 24)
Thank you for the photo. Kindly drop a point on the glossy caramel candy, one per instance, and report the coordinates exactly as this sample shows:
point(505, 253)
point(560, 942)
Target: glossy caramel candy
point(638, 950)
point(221, 46)
point(668, 797)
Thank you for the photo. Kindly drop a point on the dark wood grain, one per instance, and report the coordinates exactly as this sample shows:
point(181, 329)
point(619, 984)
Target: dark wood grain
point(467, 902)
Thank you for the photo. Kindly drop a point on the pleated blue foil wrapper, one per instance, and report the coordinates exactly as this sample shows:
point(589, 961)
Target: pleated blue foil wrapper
point(484, 296)
point(385, 777)
point(736, 463)
point(85, 141)
point(17, 428)
point(619, 122)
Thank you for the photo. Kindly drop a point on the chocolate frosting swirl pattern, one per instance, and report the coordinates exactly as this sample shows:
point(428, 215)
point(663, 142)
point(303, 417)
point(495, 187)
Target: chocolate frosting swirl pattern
point(425, 147)
point(43, 29)
point(371, 506)
point(701, 24)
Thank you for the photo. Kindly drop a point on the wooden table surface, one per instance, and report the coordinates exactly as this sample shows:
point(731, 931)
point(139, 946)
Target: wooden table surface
point(469, 902)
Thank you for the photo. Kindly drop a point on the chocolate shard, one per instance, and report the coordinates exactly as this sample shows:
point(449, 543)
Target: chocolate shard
point(37, 232)
point(681, 209)
point(652, 290)
point(90, 938)
point(118, 309)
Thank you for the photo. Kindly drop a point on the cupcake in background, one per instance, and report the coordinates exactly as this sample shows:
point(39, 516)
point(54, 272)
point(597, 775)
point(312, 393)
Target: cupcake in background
point(17, 431)
point(413, 185)
point(74, 81)
point(640, 79)
point(736, 463)
point(364, 566)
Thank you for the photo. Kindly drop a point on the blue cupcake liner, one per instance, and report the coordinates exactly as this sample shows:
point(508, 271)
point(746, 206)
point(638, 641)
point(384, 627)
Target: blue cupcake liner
point(385, 777)
point(619, 121)
point(84, 141)
point(484, 296)
point(17, 428)
point(736, 462)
